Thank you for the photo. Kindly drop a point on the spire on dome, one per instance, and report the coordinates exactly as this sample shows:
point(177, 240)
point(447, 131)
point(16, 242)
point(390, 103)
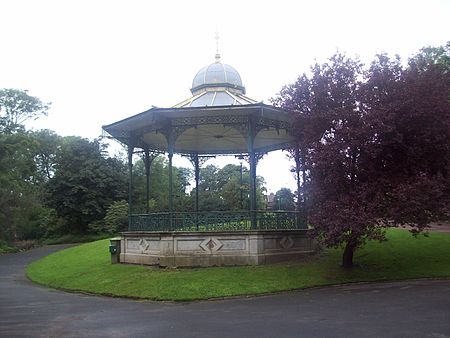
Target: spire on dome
point(217, 47)
point(217, 76)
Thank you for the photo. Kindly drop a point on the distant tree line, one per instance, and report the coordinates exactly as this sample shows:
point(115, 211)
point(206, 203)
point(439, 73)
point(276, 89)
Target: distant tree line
point(52, 185)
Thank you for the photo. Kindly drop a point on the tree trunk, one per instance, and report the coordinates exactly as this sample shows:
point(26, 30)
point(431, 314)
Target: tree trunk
point(347, 257)
point(297, 176)
point(305, 199)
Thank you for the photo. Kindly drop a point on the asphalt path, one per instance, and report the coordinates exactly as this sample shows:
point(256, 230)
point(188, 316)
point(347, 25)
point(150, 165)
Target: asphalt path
point(401, 309)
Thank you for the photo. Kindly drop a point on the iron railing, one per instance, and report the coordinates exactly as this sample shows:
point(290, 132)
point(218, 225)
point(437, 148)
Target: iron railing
point(216, 221)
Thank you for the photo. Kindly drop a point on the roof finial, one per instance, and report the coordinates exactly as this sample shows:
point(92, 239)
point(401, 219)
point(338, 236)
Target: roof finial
point(217, 47)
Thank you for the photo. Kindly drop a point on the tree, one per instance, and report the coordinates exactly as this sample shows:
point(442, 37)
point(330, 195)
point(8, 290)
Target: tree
point(85, 183)
point(21, 209)
point(229, 187)
point(159, 186)
point(209, 189)
point(17, 107)
point(221, 188)
point(17, 198)
point(284, 200)
point(379, 151)
point(431, 57)
point(46, 152)
point(316, 102)
point(116, 219)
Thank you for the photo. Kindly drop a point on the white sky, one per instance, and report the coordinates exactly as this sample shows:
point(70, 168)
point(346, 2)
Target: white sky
point(102, 61)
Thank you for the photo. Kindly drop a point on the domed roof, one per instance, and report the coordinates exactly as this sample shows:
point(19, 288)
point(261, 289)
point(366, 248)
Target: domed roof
point(216, 75)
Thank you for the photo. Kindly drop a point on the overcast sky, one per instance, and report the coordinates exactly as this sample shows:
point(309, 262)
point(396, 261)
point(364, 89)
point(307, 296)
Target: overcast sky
point(102, 61)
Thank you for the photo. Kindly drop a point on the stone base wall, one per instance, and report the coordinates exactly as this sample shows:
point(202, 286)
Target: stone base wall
point(192, 249)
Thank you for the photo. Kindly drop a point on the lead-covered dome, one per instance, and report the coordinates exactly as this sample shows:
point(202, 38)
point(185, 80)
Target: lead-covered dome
point(216, 75)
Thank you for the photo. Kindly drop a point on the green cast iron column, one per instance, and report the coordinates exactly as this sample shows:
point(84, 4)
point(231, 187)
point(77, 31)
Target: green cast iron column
point(241, 192)
point(130, 184)
point(252, 160)
point(147, 176)
point(197, 178)
point(297, 174)
point(171, 146)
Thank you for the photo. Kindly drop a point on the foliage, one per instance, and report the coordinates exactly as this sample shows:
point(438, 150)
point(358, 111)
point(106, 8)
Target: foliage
point(316, 102)
point(221, 188)
point(6, 248)
point(85, 183)
point(432, 57)
point(17, 107)
point(159, 186)
point(46, 152)
point(116, 218)
point(50, 185)
point(284, 200)
point(22, 169)
point(376, 146)
point(17, 193)
point(87, 268)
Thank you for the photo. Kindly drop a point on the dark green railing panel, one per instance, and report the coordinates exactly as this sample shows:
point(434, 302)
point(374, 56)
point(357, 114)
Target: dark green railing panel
point(150, 222)
point(215, 221)
point(276, 220)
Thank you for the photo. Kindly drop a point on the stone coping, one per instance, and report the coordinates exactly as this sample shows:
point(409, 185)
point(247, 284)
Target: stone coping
point(215, 233)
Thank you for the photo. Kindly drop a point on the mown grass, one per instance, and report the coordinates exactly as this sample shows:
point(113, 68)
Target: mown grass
point(63, 239)
point(73, 238)
point(87, 268)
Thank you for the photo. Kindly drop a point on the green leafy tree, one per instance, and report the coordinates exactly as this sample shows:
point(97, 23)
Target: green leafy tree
point(429, 57)
point(17, 107)
point(116, 218)
point(22, 214)
point(284, 200)
point(85, 183)
point(17, 193)
point(221, 188)
point(159, 186)
point(46, 152)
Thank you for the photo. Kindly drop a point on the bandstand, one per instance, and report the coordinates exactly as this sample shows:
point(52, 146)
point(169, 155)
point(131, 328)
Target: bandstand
point(218, 119)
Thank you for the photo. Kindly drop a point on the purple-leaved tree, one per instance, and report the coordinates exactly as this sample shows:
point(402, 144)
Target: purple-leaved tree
point(375, 145)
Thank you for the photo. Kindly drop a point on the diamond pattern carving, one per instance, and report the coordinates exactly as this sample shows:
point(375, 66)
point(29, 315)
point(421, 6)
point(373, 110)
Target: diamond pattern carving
point(211, 244)
point(143, 245)
point(287, 242)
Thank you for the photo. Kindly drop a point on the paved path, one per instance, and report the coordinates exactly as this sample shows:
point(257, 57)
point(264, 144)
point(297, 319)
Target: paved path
point(406, 309)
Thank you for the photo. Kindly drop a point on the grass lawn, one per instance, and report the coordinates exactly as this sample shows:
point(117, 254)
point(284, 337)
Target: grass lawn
point(73, 238)
point(87, 268)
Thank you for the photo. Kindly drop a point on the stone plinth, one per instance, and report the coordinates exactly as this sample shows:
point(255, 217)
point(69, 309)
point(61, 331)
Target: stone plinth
point(191, 249)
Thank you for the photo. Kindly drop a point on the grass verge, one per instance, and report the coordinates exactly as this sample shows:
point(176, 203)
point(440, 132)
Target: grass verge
point(24, 245)
point(74, 238)
point(87, 268)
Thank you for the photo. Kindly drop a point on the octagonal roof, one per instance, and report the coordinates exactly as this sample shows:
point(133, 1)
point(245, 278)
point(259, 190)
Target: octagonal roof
point(206, 130)
point(217, 119)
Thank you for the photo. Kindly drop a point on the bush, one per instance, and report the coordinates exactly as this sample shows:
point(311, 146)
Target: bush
point(6, 248)
point(115, 220)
